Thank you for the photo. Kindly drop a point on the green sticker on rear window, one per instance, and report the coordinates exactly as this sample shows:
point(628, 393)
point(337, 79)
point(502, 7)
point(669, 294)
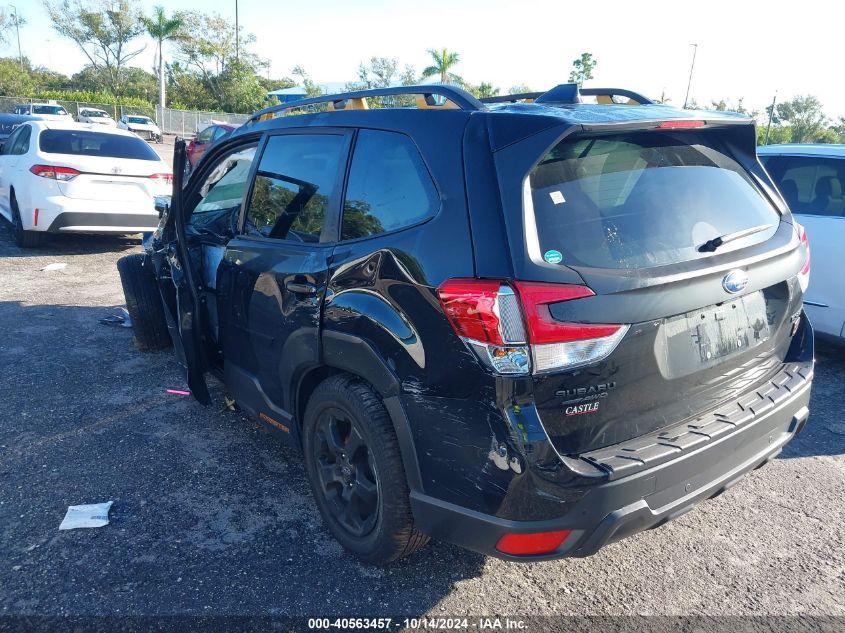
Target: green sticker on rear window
point(553, 257)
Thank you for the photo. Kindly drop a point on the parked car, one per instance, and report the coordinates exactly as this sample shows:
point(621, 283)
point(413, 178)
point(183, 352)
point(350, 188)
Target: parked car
point(74, 178)
point(811, 179)
point(528, 329)
point(96, 116)
point(8, 123)
point(203, 140)
point(45, 111)
point(143, 126)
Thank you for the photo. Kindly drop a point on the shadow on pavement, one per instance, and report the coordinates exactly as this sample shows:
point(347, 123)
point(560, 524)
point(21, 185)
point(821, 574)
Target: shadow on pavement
point(69, 244)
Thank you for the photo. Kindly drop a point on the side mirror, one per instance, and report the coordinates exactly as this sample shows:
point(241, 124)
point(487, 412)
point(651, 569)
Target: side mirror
point(162, 205)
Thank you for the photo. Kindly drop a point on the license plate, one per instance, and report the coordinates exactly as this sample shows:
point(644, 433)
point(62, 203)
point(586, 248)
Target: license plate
point(706, 337)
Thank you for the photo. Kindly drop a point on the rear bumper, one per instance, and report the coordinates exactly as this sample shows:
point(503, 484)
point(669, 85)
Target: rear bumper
point(656, 492)
point(83, 222)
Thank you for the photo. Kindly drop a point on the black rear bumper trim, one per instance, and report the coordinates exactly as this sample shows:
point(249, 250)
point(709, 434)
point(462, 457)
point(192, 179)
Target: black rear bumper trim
point(116, 220)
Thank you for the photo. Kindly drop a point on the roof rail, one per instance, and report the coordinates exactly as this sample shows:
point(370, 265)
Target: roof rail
point(454, 98)
point(570, 93)
point(522, 96)
point(609, 93)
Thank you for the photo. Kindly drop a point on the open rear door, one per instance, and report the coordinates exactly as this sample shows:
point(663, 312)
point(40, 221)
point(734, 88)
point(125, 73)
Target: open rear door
point(185, 278)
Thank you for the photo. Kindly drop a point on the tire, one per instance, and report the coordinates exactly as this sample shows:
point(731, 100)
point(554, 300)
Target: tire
point(23, 239)
point(379, 531)
point(143, 302)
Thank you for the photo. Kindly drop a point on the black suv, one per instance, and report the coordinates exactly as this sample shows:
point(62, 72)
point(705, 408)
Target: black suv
point(530, 326)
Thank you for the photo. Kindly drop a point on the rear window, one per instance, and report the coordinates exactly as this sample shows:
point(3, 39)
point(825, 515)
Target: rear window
point(48, 109)
point(139, 119)
point(638, 200)
point(84, 143)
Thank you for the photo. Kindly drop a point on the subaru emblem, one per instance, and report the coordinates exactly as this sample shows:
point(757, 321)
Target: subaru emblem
point(735, 281)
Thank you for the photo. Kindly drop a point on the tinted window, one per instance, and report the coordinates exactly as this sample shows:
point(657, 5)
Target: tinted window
point(811, 185)
point(139, 119)
point(206, 134)
point(389, 186)
point(48, 109)
point(9, 145)
point(641, 199)
point(21, 143)
point(84, 143)
point(217, 203)
point(296, 178)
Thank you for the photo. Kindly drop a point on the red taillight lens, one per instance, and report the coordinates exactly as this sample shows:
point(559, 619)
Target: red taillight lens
point(532, 544)
point(165, 178)
point(470, 306)
point(542, 328)
point(680, 125)
point(54, 172)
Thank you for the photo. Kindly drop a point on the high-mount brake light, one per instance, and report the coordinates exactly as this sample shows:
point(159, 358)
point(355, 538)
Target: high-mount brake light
point(506, 328)
point(54, 172)
point(680, 125)
point(804, 273)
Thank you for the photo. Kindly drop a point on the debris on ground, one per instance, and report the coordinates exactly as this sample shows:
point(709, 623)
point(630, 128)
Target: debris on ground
point(58, 266)
point(123, 319)
point(228, 404)
point(92, 515)
point(179, 392)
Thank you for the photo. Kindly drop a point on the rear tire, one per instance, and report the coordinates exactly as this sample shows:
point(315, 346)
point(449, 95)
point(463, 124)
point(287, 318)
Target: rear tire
point(356, 474)
point(23, 239)
point(144, 303)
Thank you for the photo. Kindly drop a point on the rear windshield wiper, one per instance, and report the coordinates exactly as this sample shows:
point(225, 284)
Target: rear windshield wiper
point(711, 245)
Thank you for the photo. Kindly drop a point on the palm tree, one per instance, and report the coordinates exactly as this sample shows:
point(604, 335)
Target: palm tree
point(444, 60)
point(161, 28)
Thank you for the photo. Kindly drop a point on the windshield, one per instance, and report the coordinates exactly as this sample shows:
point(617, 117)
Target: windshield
point(48, 109)
point(641, 199)
point(139, 119)
point(94, 113)
point(85, 143)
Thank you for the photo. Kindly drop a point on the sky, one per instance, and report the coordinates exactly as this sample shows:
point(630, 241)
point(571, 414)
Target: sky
point(745, 49)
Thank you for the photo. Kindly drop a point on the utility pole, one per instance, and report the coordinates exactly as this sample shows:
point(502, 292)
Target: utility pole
point(18, 33)
point(237, 35)
point(771, 115)
point(692, 66)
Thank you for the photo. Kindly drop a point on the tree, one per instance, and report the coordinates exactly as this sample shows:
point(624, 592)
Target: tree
point(582, 69)
point(723, 105)
point(519, 89)
point(162, 29)
point(311, 89)
point(380, 73)
point(206, 46)
point(838, 130)
point(482, 90)
point(103, 30)
point(805, 118)
point(444, 61)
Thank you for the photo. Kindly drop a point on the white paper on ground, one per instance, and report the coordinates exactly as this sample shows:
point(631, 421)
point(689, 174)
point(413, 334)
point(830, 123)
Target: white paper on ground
point(58, 266)
point(92, 515)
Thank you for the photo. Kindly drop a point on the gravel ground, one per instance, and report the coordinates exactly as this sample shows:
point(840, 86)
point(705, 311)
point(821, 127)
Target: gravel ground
point(212, 516)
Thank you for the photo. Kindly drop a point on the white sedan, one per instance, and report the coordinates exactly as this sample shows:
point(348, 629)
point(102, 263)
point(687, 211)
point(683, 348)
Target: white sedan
point(79, 178)
point(143, 126)
point(95, 115)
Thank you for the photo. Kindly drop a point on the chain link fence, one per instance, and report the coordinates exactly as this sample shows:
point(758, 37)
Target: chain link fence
point(185, 123)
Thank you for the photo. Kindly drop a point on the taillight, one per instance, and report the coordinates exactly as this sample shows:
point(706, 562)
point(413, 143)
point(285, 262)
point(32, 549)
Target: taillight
point(55, 172)
point(679, 125)
point(163, 178)
point(532, 544)
point(804, 273)
point(506, 329)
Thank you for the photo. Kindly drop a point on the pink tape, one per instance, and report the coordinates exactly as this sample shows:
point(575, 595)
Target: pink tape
point(178, 392)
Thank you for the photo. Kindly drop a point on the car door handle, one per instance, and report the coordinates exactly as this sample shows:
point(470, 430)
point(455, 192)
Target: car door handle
point(299, 288)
